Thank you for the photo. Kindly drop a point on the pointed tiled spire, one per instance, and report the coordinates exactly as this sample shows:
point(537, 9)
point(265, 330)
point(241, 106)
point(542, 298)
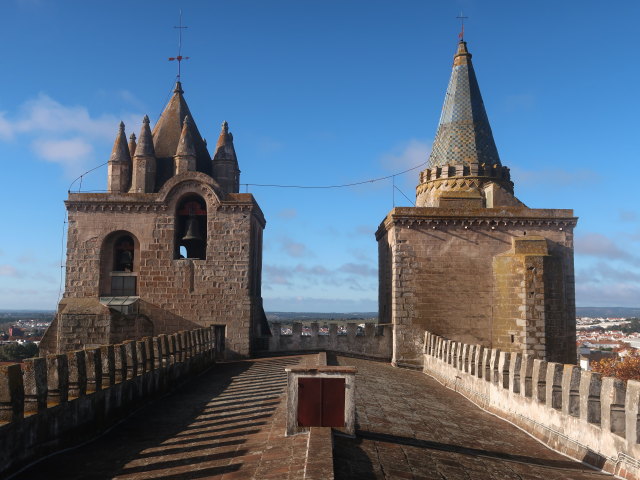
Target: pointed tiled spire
point(145, 140)
point(225, 162)
point(464, 134)
point(132, 144)
point(120, 151)
point(185, 145)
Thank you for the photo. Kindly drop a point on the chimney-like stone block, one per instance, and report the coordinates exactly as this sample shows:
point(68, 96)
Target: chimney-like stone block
point(158, 361)
point(121, 362)
point(496, 376)
point(108, 362)
point(465, 358)
point(164, 349)
point(554, 385)
point(504, 360)
point(454, 354)
point(173, 348)
point(148, 350)
point(77, 373)
point(131, 355)
point(539, 380)
point(34, 372)
point(57, 379)
point(632, 412)
point(11, 393)
point(296, 330)
point(571, 390)
point(590, 391)
point(612, 402)
point(93, 361)
point(141, 357)
point(479, 361)
point(515, 367)
point(486, 361)
point(179, 347)
point(526, 376)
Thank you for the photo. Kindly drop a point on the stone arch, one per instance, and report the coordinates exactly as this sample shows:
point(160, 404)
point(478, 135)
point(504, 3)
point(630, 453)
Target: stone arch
point(119, 264)
point(190, 227)
point(191, 186)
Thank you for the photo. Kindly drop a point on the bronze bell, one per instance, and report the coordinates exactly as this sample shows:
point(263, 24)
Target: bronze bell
point(193, 232)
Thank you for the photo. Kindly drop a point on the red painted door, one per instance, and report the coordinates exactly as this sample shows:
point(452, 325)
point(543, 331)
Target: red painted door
point(321, 402)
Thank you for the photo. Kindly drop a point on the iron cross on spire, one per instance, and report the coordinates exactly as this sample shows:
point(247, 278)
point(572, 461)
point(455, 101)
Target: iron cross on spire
point(461, 34)
point(179, 58)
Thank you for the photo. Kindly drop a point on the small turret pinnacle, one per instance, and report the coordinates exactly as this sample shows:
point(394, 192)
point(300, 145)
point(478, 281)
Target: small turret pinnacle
point(132, 144)
point(145, 141)
point(225, 161)
point(178, 87)
point(120, 152)
point(185, 144)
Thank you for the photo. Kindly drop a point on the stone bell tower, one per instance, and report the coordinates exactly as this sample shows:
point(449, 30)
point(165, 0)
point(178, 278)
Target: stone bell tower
point(171, 245)
point(471, 262)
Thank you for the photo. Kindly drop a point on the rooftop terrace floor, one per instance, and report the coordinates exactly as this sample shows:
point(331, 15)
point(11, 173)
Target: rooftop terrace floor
point(411, 427)
point(229, 423)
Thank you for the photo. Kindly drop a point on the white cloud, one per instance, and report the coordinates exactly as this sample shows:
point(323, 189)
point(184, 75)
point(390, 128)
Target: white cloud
point(519, 101)
point(8, 271)
point(553, 176)
point(318, 304)
point(411, 154)
point(63, 134)
point(71, 153)
point(288, 213)
point(295, 249)
point(627, 216)
point(600, 246)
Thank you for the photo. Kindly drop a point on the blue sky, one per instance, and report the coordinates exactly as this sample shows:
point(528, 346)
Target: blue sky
point(324, 92)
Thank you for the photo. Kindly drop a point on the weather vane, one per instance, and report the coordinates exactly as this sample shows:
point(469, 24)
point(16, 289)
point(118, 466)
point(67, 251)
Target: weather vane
point(461, 34)
point(179, 58)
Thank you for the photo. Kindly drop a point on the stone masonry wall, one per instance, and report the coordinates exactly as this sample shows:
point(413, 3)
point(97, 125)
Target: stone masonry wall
point(442, 272)
point(177, 292)
point(590, 418)
point(60, 400)
point(374, 342)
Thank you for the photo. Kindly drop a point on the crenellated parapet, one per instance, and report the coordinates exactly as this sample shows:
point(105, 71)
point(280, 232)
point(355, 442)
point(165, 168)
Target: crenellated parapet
point(495, 172)
point(372, 341)
point(588, 417)
point(466, 183)
point(47, 403)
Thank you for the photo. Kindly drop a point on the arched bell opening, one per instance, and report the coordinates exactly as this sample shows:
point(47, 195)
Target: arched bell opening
point(119, 265)
point(191, 228)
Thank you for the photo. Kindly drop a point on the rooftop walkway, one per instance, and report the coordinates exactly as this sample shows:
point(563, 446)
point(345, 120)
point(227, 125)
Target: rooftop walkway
point(229, 423)
point(411, 427)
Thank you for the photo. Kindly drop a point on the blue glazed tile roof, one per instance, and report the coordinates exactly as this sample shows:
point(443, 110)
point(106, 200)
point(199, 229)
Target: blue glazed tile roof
point(464, 134)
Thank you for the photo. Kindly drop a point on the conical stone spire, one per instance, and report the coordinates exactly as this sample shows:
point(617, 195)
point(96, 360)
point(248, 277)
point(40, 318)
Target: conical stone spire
point(464, 134)
point(120, 151)
point(132, 144)
point(143, 179)
point(119, 167)
point(167, 133)
point(225, 162)
point(185, 157)
point(185, 145)
point(145, 141)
